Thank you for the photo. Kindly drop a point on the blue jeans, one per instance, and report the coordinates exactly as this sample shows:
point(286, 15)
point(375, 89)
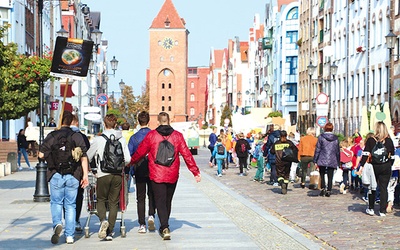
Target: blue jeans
point(219, 163)
point(63, 190)
point(25, 154)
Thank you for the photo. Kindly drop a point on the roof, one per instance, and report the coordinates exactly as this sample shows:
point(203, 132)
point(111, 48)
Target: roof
point(169, 14)
point(244, 47)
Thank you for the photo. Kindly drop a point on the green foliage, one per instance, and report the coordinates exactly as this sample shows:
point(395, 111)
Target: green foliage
point(226, 113)
point(340, 137)
point(275, 114)
point(20, 78)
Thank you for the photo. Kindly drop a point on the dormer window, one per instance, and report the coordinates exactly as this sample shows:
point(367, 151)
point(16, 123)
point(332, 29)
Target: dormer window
point(167, 22)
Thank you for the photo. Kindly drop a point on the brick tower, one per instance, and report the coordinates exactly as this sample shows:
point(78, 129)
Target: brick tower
point(167, 73)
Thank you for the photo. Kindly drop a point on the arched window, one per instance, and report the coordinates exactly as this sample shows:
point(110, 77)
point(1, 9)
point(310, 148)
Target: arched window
point(169, 98)
point(163, 86)
point(162, 98)
point(161, 59)
point(293, 14)
point(162, 108)
point(170, 85)
point(171, 59)
point(192, 85)
point(192, 111)
point(192, 97)
point(169, 108)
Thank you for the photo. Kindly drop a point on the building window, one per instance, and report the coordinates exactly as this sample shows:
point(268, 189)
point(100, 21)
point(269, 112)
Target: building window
point(166, 72)
point(163, 85)
point(169, 85)
point(169, 98)
point(192, 97)
point(293, 14)
point(161, 59)
point(171, 59)
point(292, 37)
point(162, 108)
point(169, 108)
point(291, 65)
point(192, 111)
point(162, 98)
point(192, 85)
point(159, 43)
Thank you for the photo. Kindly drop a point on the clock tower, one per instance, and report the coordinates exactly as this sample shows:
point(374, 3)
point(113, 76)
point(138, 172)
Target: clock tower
point(167, 74)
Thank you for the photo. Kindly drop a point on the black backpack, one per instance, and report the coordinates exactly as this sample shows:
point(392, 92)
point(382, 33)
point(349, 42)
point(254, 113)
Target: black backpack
point(379, 153)
point(165, 153)
point(221, 149)
point(63, 161)
point(113, 157)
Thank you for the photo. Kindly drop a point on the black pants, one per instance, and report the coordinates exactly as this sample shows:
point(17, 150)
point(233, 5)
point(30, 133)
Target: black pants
point(79, 203)
point(242, 163)
point(143, 184)
point(322, 172)
point(163, 194)
point(382, 176)
point(283, 171)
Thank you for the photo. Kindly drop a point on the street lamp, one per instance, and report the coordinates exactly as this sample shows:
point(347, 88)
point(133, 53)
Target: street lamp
point(333, 71)
point(62, 32)
point(114, 65)
point(310, 68)
point(391, 40)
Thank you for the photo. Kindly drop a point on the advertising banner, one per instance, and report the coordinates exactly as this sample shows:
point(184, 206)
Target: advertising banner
point(71, 58)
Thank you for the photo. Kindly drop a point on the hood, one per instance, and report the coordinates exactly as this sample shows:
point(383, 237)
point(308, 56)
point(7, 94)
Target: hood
point(74, 128)
point(30, 124)
point(329, 136)
point(164, 130)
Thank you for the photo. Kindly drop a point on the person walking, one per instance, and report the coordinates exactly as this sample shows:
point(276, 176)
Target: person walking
point(242, 148)
point(380, 149)
point(31, 137)
point(327, 157)
point(307, 147)
point(273, 136)
point(22, 147)
point(79, 197)
point(63, 149)
point(284, 159)
point(165, 178)
point(212, 139)
point(143, 182)
point(127, 134)
point(220, 155)
point(108, 184)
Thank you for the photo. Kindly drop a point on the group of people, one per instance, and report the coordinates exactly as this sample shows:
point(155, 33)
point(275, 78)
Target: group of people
point(357, 163)
point(68, 152)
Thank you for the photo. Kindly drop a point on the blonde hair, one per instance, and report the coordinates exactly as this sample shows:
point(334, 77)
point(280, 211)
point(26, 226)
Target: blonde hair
point(311, 131)
point(381, 131)
point(344, 144)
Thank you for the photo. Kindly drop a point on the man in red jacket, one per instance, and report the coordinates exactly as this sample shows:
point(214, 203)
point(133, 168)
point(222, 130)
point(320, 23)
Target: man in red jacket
point(164, 178)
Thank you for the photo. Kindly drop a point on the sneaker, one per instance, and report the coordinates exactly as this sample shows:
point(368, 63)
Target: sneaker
point(69, 240)
point(284, 188)
point(341, 189)
point(270, 182)
point(344, 191)
point(56, 234)
point(328, 194)
point(302, 185)
point(369, 211)
point(78, 226)
point(142, 229)
point(31, 168)
point(109, 237)
point(103, 229)
point(382, 214)
point(323, 192)
point(166, 234)
point(389, 208)
point(150, 223)
point(19, 168)
point(219, 175)
point(241, 174)
point(276, 184)
point(365, 199)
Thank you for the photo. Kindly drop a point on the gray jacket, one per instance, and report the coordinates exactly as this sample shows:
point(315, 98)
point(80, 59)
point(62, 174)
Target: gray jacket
point(368, 177)
point(327, 151)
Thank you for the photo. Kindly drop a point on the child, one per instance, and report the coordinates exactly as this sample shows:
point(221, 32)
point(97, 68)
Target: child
point(219, 154)
point(257, 154)
point(346, 164)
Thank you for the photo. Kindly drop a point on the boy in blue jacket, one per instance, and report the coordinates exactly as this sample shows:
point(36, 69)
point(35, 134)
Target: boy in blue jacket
point(220, 155)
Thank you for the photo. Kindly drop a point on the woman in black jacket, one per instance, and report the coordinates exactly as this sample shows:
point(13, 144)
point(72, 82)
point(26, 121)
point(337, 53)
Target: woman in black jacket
point(22, 147)
point(382, 159)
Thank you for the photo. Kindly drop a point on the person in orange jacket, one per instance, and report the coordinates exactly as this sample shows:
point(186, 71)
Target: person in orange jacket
point(306, 153)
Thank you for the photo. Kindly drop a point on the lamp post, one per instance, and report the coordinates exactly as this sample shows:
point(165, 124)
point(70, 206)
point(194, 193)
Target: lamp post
point(310, 68)
point(391, 40)
point(333, 71)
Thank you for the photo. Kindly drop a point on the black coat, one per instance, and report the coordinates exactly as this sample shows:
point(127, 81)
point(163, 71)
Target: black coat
point(22, 143)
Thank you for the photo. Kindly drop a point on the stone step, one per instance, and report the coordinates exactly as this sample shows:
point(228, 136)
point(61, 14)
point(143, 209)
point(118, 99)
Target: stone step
point(11, 146)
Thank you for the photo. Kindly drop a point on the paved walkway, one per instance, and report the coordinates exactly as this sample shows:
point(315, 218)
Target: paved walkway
point(215, 213)
point(339, 221)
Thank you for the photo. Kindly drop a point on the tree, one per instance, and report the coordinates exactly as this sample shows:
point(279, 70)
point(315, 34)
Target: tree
point(226, 113)
point(20, 78)
point(275, 114)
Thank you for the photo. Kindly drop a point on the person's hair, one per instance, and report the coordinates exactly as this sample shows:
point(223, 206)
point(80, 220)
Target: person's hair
point(143, 118)
point(277, 127)
point(110, 121)
point(311, 131)
point(125, 126)
point(381, 131)
point(222, 131)
point(283, 135)
point(20, 132)
point(241, 135)
point(369, 135)
point(75, 119)
point(163, 118)
point(219, 140)
point(328, 127)
point(350, 141)
point(67, 118)
point(344, 144)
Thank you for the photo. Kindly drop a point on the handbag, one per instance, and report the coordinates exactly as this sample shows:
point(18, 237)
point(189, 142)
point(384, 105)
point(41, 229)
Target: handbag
point(338, 176)
point(289, 155)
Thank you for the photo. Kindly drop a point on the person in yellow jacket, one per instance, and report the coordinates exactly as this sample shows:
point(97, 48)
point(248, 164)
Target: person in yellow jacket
point(307, 147)
point(229, 147)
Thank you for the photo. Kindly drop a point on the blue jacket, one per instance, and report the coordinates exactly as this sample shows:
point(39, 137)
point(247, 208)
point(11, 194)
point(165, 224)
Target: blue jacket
point(212, 139)
point(215, 152)
point(327, 151)
point(272, 138)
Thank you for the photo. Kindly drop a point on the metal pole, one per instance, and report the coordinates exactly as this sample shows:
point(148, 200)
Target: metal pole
point(309, 102)
point(390, 81)
point(41, 187)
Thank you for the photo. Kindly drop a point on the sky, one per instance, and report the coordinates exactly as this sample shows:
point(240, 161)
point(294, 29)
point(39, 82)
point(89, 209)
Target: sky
point(211, 24)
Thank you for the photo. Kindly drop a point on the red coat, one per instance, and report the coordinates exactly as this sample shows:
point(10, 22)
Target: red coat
point(159, 173)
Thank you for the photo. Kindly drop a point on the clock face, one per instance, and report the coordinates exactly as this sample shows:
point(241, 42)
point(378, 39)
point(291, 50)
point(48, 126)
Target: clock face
point(167, 43)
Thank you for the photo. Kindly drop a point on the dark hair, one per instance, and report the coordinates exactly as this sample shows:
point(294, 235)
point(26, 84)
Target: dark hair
point(67, 118)
point(328, 127)
point(283, 135)
point(110, 121)
point(20, 131)
point(143, 118)
point(125, 126)
point(163, 118)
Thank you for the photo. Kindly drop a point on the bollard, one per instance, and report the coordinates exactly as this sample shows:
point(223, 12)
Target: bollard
point(42, 188)
point(7, 168)
point(12, 158)
point(2, 166)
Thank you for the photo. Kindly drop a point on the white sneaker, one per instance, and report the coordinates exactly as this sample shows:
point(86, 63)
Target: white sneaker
point(19, 168)
point(369, 211)
point(276, 184)
point(341, 189)
point(150, 223)
point(382, 214)
point(219, 175)
point(142, 229)
point(103, 229)
point(344, 191)
point(31, 168)
point(69, 240)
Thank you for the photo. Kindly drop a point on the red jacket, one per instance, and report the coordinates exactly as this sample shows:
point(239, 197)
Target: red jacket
point(149, 147)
